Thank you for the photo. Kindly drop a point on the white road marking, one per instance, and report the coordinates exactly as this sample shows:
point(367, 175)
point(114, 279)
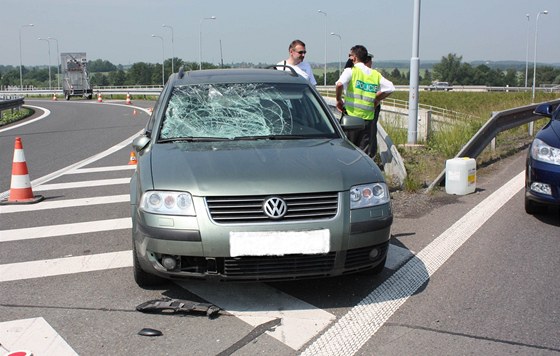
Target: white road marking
point(34, 335)
point(103, 169)
point(82, 184)
point(355, 328)
point(46, 113)
point(85, 162)
point(64, 229)
point(67, 203)
point(257, 303)
point(66, 265)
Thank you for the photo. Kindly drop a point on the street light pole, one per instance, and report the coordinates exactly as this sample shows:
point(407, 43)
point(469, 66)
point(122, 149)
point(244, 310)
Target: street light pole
point(49, 45)
point(57, 60)
point(172, 48)
point(200, 40)
point(339, 52)
point(527, 52)
point(20, 60)
point(535, 56)
point(414, 77)
point(325, 73)
point(162, 60)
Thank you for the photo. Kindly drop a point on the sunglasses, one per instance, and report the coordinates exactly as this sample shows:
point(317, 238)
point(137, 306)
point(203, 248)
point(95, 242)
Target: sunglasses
point(301, 52)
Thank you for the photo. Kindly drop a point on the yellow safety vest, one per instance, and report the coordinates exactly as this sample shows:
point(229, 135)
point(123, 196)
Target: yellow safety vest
point(361, 92)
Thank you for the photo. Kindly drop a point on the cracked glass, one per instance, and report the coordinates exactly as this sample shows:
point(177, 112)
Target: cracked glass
point(244, 111)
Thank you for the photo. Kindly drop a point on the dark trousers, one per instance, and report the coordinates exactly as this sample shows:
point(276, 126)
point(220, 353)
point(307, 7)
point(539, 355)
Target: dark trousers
point(366, 139)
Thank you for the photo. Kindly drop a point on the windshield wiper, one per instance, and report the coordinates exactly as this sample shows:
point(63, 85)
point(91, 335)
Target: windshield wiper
point(192, 139)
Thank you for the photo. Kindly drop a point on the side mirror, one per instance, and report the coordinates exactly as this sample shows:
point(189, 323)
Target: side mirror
point(140, 142)
point(543, 110)
point(352, 123)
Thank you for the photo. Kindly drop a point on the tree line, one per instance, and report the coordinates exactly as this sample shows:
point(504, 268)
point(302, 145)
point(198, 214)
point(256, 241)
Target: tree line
point(450, 69)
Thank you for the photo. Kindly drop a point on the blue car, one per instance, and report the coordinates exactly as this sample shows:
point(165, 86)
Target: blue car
point(542, 173)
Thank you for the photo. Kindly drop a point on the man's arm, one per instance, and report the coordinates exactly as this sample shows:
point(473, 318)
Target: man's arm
point(339, 102)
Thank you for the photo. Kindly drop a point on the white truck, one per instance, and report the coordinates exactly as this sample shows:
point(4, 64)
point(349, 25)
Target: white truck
point(75, 75)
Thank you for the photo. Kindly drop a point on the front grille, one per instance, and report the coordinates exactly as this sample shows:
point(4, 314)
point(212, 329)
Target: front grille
point(249, 209)
point(270, 266)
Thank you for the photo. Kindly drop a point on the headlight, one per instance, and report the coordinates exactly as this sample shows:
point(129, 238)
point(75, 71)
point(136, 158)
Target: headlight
point(167, 203)
point(540, 151)
point(367, 195)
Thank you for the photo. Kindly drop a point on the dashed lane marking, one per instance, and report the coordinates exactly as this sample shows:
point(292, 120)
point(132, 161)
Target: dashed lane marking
point(82, 184)
point(66, 203)
point(34, 335)
point(103, 169)
point(66, 265)
point(38, 232)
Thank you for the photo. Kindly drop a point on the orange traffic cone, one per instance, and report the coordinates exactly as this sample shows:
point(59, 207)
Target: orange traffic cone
point(99, 99)
point(54, 98)
point(20, 188)
point(132, 159)
point(128, 101)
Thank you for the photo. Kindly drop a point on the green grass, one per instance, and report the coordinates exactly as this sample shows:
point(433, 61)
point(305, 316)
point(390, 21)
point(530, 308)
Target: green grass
point(425, 163)
point(8, 117)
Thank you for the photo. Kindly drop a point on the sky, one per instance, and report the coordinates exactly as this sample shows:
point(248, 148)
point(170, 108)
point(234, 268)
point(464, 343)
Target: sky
point(259, 31)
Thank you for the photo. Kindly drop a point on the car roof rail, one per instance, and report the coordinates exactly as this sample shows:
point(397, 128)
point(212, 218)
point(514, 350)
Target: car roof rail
point(283, 67)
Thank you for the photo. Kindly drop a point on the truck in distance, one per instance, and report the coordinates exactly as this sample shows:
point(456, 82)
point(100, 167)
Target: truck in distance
point(75, 75)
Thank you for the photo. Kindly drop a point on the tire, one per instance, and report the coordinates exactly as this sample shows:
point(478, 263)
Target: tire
point(141, 277)
point(533, 208)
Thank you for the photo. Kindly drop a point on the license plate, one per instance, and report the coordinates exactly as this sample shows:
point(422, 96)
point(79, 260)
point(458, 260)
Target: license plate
point(279, 243)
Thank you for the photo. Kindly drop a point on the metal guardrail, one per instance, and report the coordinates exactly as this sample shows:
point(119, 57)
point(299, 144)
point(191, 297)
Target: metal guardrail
point(328, 90)
point(10, 102)
point(500, 121)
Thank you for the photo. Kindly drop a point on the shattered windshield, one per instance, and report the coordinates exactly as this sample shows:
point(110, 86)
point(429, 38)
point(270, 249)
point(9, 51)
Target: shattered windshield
point(244, 111)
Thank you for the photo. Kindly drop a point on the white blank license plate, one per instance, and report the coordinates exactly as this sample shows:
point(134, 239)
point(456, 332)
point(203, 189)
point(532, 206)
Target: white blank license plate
point(278, 243)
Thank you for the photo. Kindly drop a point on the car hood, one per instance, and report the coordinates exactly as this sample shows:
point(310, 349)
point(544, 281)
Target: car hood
point(258, 167)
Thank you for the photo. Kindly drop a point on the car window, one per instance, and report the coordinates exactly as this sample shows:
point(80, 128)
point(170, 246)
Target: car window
point(244, 110)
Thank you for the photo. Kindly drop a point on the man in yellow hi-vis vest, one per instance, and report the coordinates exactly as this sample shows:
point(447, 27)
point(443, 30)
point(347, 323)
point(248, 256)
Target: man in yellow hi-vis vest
point(364, 89)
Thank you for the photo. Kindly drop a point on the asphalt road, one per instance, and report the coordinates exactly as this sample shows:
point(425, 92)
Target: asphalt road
point(469, 274)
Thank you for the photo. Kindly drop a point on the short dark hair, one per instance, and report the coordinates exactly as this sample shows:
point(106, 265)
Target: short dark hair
point(360, 52)
point(296, 43)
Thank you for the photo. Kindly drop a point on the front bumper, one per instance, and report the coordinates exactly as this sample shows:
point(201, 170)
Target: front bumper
point(201, 248)
point(543, 173)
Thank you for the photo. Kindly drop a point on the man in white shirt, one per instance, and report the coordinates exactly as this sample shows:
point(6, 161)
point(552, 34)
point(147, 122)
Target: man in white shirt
point(295, 60)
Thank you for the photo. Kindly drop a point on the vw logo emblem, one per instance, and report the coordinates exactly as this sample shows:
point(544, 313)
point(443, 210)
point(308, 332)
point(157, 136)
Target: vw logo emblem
point(275, 208)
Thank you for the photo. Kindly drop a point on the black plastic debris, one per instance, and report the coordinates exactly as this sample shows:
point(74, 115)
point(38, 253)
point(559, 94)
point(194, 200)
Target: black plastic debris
point(150, 332)
point(176, 306)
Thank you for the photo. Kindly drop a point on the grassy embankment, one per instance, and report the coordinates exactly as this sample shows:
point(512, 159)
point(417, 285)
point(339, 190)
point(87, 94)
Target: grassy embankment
point(424, 163)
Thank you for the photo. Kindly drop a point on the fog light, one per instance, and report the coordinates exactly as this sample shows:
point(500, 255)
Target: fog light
point(373, 254)
point(542, 188)
point(169, 262)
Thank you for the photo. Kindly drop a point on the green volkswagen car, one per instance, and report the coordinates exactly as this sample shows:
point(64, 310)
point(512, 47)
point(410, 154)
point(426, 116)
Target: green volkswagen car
point(247, 174)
